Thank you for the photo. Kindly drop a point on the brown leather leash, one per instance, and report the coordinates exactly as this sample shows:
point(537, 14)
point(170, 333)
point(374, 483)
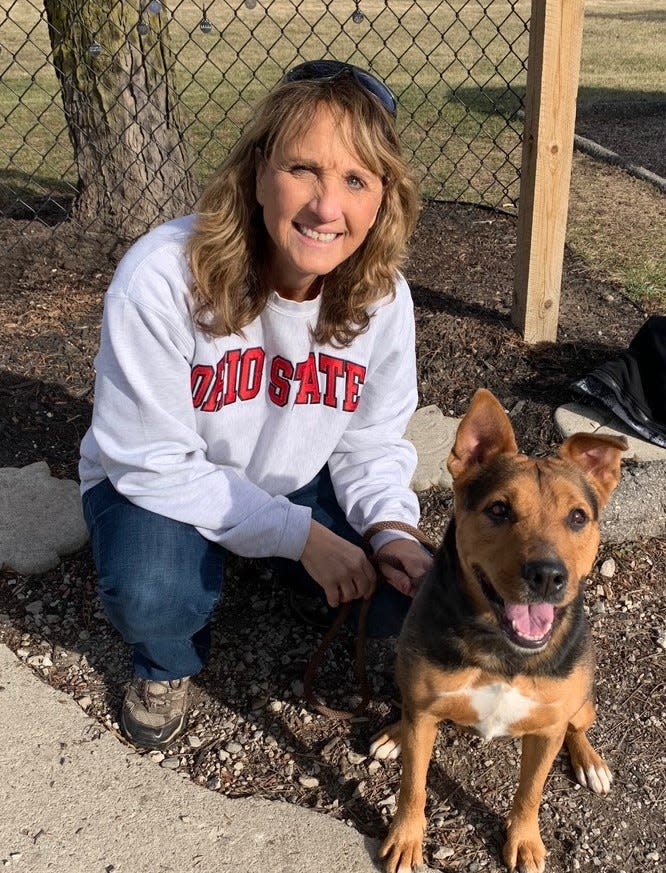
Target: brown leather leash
point(361, 635)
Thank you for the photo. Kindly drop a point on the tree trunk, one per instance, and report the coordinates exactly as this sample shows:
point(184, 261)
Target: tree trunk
point(121, 106)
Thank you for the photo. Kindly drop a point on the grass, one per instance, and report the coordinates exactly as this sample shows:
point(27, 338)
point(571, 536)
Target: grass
point(458, 95)
point(617, 225)
point(623, 58)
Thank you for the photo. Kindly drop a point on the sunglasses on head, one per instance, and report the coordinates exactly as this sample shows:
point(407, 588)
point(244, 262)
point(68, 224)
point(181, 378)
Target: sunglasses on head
point(327, 71)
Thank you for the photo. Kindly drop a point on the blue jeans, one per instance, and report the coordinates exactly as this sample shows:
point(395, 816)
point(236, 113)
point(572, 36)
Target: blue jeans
point(159, 580)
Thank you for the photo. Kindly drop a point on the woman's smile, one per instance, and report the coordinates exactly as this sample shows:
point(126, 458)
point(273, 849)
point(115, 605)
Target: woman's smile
point(319, 202)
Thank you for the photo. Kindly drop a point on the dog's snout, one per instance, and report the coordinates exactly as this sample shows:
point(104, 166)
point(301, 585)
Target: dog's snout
point(546, 578)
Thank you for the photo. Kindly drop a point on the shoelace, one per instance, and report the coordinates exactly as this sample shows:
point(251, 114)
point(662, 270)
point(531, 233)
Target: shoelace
point(152, 699)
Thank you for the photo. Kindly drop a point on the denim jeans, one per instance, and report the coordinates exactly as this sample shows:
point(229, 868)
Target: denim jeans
point(159, 580)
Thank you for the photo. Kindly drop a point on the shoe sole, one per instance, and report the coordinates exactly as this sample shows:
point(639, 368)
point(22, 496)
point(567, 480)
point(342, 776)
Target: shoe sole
point(144, 741)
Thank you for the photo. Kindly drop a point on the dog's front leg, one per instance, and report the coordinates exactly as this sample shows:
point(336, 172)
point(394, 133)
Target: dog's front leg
point(524, 849)
point(403, 847)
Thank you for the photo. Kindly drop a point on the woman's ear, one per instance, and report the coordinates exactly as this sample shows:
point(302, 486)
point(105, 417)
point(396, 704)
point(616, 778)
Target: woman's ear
point(259, 172)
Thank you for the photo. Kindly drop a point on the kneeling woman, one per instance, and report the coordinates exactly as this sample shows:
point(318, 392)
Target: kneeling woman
point(255, 377)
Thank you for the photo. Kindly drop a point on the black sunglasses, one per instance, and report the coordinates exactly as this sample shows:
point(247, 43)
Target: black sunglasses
point(327, 71)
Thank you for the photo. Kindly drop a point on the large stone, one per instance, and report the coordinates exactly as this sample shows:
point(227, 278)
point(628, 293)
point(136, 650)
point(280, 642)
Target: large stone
point(637, 508)
point(40, 518)
point(573, 418)
point(432, 435)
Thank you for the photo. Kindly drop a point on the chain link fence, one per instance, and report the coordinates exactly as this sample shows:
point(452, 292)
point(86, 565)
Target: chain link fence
point(70, 69)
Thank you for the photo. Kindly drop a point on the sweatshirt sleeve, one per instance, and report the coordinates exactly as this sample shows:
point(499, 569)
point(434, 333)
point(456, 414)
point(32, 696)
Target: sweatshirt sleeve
point(373, 464)
point(144, 427)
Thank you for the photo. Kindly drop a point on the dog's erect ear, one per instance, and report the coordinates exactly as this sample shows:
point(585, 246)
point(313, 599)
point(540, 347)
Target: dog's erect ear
point(484, 432)
point(599, 457)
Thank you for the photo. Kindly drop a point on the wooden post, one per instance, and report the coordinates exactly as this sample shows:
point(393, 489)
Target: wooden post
point(556, 35)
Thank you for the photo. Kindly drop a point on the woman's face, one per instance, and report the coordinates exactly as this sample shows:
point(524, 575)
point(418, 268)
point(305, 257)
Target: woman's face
point(319, 202)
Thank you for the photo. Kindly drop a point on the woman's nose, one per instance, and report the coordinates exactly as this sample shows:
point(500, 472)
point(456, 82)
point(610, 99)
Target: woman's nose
point(327, 199)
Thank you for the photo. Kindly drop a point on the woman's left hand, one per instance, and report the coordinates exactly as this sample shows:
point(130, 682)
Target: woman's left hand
point(413, 557)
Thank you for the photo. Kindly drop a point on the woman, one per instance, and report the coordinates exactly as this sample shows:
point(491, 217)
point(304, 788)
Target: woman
point(254, 380)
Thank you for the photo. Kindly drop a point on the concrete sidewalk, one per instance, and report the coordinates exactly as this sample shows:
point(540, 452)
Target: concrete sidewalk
point(73, 799)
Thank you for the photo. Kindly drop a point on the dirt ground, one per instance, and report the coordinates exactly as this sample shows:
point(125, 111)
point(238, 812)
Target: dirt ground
point(250, 733)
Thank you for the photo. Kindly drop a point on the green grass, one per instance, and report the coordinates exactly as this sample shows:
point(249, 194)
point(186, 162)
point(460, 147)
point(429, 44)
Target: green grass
point(623, 56)
point(456, 68)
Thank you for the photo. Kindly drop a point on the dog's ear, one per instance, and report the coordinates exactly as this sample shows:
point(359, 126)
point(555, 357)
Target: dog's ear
point(599, 457)
point(484, 432)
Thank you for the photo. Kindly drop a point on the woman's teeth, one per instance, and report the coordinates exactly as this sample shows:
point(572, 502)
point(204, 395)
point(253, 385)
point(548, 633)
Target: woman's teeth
point(313, 234)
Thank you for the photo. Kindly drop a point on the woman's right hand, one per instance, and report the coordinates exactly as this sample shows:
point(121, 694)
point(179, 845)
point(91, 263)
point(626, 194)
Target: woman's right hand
point(341, 568)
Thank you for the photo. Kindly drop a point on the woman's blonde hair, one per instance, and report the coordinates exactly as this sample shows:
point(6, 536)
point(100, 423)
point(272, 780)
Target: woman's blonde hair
point(229, 246)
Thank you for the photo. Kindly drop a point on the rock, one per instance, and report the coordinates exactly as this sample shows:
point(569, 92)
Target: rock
point(308, 781)
point(355, 757)
point(443, 853)
point(40, 518)
point(607, 569)
point(432, 435)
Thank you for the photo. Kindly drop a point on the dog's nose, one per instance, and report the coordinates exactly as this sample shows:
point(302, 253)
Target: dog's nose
point(546, 578)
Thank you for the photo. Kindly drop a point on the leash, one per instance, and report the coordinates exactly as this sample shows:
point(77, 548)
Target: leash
point(361, 634)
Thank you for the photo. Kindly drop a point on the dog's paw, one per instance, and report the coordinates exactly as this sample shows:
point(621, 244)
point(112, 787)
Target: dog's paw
point(589, 767)
point(596, 776)
point(524, 853)
point(385, 745)
point(385, 748)
point(401, 851)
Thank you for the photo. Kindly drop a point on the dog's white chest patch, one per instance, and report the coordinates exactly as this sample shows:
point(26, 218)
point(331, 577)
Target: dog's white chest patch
point(498, 706)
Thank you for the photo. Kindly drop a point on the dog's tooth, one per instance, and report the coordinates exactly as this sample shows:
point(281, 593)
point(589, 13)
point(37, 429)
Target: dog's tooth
point(395, 752)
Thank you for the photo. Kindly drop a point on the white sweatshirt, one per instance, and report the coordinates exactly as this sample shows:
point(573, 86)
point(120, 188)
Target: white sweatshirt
point(214, 432)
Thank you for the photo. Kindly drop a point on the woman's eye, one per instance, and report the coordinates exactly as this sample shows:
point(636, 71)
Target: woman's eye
point(355, 182)
point(299, 169)
point(498, 511)
point(577, 518)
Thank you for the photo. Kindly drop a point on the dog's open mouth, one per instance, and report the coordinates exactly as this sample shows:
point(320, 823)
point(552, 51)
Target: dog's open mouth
point(526, 625)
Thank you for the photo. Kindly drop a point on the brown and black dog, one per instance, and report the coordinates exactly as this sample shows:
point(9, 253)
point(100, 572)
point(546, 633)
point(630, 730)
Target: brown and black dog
point(496, 639)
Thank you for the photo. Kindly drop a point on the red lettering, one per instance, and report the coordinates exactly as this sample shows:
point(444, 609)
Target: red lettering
point(306, 373)
point(354, 378)
point(281, 372)
point(232, 358)
point(332, 368)
point(200, 380)
point(214, 401)
point(251, 373)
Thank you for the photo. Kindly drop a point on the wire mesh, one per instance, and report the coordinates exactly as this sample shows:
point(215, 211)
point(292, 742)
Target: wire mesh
point(117, 111)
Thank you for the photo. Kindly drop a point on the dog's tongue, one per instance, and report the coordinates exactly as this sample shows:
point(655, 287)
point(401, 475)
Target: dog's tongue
point(530, 620)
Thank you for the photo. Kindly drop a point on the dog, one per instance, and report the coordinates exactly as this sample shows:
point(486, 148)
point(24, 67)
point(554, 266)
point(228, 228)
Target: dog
point(496, 639)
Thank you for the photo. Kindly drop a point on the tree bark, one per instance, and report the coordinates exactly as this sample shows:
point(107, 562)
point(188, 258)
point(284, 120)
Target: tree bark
point(122, 113)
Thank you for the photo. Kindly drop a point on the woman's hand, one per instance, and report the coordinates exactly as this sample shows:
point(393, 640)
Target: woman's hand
point(340, 567)
point(413, 557)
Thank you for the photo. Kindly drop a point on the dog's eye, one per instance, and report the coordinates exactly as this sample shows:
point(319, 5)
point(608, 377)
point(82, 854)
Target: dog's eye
point(498, 511)
point(577, 519)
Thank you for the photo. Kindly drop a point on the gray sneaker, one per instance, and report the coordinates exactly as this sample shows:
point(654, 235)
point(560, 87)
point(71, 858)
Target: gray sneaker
point(154, 713)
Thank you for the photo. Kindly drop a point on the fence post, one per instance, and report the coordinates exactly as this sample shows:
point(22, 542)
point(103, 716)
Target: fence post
point(556, 35)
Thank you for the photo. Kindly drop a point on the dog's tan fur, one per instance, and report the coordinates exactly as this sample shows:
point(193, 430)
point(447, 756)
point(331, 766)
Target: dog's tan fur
point(544, 696)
